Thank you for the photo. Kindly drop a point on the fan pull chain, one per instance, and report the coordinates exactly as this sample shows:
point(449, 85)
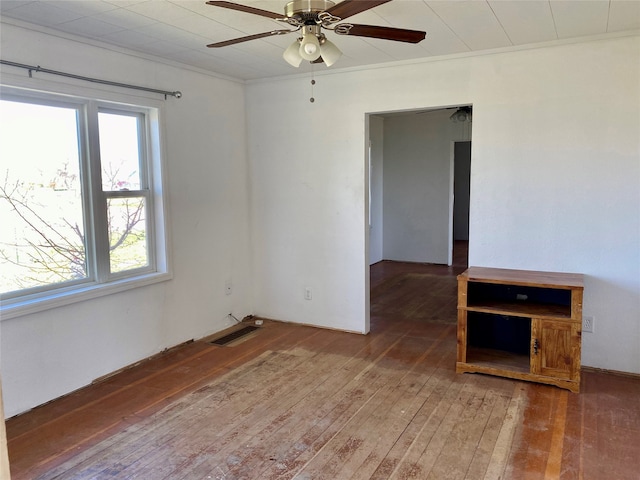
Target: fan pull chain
point(313, 82)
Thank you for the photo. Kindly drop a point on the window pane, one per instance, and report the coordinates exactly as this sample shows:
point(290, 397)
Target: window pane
point(119, 151)
point(42, 228)
point(127, 234)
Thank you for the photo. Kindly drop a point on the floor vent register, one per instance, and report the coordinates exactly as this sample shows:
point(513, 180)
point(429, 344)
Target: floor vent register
point(234, 336)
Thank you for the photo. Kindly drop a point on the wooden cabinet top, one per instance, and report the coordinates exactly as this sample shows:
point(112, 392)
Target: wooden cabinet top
point(531, 278)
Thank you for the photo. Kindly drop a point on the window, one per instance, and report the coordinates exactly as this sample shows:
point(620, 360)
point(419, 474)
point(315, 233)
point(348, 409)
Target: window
point(80, 199)
point(125, 188)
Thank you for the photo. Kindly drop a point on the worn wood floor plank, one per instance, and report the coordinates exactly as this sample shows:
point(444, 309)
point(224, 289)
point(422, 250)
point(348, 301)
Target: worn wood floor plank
point(438, 407)
point(269, 418)
point(482, 457)
point(552, 471)
point(157, 431)
point(459, 450)
point(244, 464)
point(361, 390)
point(403, 414)
point(503, 443)
point(325, 421)
point(56, 441)
point(269, 368)
point(271, 444)
point(247, 408)
point(357, 438)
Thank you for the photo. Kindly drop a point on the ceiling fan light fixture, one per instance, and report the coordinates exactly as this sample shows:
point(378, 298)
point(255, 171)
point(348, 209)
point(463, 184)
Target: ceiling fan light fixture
point(330, 53)
point(310, 17)
point(310, 48)
point(310, 45)
point(462, 114)
point(292, 54)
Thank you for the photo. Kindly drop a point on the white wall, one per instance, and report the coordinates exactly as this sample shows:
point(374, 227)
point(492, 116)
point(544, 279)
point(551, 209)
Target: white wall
point(417, 182)
point(555, 179)
point(376, 137)
point(48, 354)
point(308, 199)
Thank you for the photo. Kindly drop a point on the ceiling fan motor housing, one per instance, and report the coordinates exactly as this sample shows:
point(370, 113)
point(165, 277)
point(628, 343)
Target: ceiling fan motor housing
point(306, 11)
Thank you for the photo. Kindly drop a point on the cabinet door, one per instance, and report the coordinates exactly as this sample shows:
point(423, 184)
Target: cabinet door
point(555, 348)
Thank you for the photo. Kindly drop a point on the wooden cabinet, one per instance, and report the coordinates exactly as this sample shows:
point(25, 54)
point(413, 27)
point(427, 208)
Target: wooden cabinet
point(520, 324)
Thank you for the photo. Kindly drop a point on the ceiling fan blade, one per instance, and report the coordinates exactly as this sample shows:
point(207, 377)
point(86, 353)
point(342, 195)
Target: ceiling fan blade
point(385, 33)
point(246, 9)
point(347, 8)
point(249, 37)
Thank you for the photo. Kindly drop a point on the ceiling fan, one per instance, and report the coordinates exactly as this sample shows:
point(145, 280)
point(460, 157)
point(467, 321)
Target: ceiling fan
point(310, 17)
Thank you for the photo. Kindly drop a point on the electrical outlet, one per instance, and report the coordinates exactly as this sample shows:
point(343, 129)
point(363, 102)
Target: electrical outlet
point(307, 293)
point(587, 324)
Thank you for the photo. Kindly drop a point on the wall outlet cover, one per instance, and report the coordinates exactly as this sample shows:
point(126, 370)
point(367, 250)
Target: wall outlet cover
point(587, 324)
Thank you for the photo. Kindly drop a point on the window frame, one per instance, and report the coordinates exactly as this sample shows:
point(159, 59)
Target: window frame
point(100, 281)
point(103, 196)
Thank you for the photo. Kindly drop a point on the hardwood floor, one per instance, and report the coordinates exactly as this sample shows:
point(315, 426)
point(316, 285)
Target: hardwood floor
point(306, 403)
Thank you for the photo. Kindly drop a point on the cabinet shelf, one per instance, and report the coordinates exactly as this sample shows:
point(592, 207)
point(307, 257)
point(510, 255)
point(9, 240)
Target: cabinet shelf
point(498, 359)
point(522, 309)
point(520, 324)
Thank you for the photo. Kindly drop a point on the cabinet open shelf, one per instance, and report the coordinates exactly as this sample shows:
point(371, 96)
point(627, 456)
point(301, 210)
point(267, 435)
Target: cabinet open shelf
point(520, 324)
point(498, 359)
point(522, 309)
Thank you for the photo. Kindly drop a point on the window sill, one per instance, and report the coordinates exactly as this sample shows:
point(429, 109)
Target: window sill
point(19, 307)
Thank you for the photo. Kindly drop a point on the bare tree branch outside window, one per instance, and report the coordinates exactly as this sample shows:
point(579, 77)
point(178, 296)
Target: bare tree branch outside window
point(42, 235)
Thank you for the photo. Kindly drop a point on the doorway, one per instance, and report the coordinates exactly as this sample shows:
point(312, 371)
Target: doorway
point(418, 197)
point(418, 186)
point(461, 201)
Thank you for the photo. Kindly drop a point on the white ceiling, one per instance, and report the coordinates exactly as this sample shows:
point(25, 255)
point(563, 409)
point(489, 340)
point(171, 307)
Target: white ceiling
point(179, 30)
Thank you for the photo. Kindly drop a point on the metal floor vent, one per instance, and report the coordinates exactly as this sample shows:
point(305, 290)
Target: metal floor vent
point(233, 336)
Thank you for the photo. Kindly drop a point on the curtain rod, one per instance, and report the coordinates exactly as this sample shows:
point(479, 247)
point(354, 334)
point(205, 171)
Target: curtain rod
point(38, 68)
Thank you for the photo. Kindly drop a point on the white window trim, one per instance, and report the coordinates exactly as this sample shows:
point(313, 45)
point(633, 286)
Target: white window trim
point(78, 293)
point(70, 294)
